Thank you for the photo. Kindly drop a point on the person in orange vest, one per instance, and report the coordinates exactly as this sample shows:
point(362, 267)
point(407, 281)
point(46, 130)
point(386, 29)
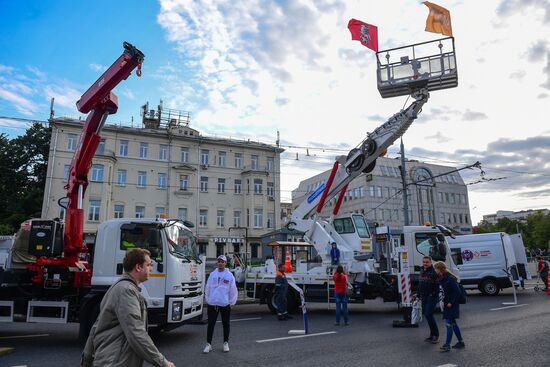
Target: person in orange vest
point(281, 291)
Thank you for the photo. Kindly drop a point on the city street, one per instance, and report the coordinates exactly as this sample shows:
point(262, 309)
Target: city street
point(495, 335)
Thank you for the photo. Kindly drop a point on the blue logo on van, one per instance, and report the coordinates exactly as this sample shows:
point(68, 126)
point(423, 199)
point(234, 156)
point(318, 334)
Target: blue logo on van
point(467, 255)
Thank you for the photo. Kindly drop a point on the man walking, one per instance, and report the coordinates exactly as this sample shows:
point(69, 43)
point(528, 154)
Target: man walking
point(119, 336)
point(281, 291)
point(220, 294)
point(428, 291)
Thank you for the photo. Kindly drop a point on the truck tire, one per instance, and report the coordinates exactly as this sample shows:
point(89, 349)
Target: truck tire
point(489, 287)
point(87, 321)
point(292, 301)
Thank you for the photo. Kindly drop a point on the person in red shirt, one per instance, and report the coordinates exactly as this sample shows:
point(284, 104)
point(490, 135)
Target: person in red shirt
point(542, 269)
point(340, 288)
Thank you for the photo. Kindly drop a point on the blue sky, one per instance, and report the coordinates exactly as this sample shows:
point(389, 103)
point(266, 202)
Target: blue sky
point(254, 67)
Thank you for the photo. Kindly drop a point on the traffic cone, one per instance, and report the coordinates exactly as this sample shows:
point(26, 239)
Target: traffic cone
point(288, 264)
point(548, 286)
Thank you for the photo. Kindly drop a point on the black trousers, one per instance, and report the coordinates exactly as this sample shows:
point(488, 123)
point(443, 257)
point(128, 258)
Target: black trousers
point(213, 312)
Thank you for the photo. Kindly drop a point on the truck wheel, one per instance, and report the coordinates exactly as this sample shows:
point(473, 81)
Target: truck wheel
point(270, 300)
point(489, 287)
point(292, 303)
point(87, 321)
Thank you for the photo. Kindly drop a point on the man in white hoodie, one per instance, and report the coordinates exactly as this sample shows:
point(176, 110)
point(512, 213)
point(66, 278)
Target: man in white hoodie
point(220, 293)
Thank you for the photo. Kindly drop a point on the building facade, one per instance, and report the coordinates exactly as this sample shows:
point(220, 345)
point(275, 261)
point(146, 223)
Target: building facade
point(228, 188)
point(435, 193)
point(521, 215)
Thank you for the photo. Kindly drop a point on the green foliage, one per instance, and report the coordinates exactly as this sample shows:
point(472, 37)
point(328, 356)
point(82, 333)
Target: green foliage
point(24, 164)
point(535, 230)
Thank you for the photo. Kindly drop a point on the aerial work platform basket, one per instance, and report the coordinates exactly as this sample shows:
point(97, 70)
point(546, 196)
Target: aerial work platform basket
point(430, 65)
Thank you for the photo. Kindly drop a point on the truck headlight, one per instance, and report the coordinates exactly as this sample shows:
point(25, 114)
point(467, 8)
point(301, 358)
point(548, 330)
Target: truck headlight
point(177, 310)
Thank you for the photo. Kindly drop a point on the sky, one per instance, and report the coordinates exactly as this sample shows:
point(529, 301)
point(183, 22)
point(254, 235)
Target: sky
point(252, 68)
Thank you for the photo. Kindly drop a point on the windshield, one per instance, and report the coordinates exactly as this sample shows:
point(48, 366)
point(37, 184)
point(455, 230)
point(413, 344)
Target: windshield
point(431, 244)
point(181, 242)
point(361, 226)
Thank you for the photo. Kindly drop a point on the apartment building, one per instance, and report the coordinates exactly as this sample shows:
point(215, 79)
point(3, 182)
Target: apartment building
point(436, 193)
point(519, 215)
point(228, 188)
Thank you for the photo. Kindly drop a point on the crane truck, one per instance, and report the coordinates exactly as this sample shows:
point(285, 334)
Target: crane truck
point(412, 74)
point(51, 276)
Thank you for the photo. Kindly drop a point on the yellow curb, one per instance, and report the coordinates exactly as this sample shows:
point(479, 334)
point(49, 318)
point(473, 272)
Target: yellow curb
point(4, 351)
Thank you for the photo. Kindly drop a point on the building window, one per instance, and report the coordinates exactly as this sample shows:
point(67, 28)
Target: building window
point(254, 250)
point(257, 185)
point(66, 172)
point(184, 182)
point(140, 212)
point(203, 217)
point(442, 218)
point(204, 184)
point(371, 191)
point(254, 162)
point(447, 197)
point(143, 147)
point(93, 213)
point(161, 181)
point(454, 218)
point(384, 171)
point(238, 160)
point(270, 190)
point(71, 142)
point(466, 219)
point(184, 154)
point(258, 218)
point(236, 218)
point(220, 219)
point(460, 218)
point(379, 191)
point(182, 213)
point(160, 211)
point(380, 214)
point(439, 197)
point(221, 159)
point(123, 148)
point(453, 199)
point(270, 220)
point(163, 152)
point(142, 179)
point(202, 248)
point(101, 147)
point(220, 248)
point(97, 172)
point(221, 185)
point(237, 186)
point(204, 157)
point(119, 211)
point(396, 215)
point(121, 177)
point(270, 161)
point(449, 218)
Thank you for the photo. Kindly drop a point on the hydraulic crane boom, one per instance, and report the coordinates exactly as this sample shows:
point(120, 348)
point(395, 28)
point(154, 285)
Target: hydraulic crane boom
point(99, 102)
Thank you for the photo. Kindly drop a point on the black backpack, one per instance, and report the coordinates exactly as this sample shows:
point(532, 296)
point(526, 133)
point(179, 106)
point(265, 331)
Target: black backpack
point(545, 268)
point(462, 296)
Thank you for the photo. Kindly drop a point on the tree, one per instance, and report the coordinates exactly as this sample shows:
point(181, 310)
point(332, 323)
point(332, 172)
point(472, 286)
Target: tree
point(24, 165)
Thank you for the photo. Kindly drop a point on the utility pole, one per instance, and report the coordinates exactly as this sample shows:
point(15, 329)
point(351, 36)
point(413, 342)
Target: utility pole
point(404, 182)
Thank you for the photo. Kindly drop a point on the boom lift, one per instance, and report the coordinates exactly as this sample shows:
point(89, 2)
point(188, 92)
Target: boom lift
point(53, 277)
point(413, 74)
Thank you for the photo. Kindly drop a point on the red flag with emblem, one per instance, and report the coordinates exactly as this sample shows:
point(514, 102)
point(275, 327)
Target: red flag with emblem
point(367, 34)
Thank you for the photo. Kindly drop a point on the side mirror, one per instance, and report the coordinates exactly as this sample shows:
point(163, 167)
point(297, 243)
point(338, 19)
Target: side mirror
point(160, 267)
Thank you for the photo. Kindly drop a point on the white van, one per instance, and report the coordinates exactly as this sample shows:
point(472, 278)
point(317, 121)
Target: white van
point(484, 259)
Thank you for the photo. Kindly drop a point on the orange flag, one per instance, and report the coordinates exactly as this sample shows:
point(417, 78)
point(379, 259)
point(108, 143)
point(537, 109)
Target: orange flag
point(439, 20)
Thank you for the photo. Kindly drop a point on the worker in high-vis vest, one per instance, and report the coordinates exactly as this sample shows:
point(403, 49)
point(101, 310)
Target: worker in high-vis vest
point(281, 291)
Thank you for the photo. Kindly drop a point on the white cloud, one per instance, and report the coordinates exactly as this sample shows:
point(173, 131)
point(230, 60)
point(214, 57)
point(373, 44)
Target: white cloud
point(21, 104)
point(97, 67)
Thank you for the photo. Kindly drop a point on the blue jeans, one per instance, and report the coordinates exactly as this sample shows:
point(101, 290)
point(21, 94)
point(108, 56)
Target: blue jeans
point(428, 309)
point(452, 327)
point(341, 302)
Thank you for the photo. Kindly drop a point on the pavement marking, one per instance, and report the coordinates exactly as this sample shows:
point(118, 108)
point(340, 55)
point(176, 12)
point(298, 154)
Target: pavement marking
point(506, 307)
point(448, 365)
point(23, 336)
point(295, 337)
point(248, 319)
point(6, 350)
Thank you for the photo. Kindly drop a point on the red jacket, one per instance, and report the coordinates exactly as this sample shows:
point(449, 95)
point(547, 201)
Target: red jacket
point(340, 285)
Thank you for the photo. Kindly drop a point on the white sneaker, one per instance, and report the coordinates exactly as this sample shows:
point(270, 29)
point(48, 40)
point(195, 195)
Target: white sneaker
point(226, 347)
point(207, 349)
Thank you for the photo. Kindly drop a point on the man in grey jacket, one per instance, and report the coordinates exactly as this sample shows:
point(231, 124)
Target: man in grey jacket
point(119, 335)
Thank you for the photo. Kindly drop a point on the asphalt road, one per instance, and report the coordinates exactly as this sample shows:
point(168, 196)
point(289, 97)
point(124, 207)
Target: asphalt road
point(494, 336)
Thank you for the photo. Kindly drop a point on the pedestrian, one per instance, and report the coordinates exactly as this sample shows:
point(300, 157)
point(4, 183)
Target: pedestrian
point(340, 294)
point(451, 305)
point(542, 270)
point(281, 291)
point(220, 294)
point(334, 254)
point(119, 335)
point(428, 291)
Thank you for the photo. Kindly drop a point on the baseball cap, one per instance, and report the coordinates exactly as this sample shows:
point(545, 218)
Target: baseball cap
point(222, 257)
